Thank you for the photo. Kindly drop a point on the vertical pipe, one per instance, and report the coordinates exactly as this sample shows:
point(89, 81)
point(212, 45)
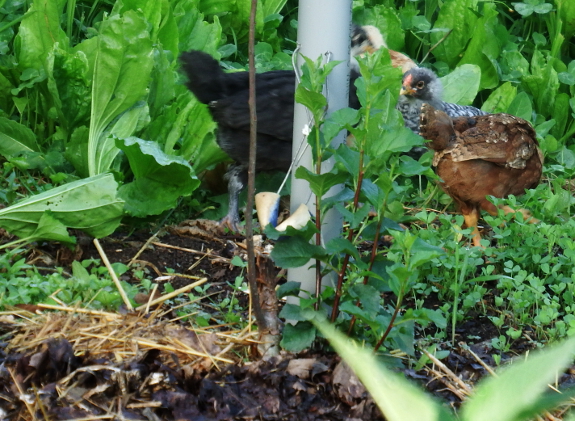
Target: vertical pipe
point(323, 26)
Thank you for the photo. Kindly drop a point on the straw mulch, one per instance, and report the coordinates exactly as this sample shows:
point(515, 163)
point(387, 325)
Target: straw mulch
point(78, 364)
point(51, 359)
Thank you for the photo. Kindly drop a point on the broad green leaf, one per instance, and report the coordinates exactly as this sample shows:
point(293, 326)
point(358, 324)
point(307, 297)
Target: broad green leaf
point(458, 16)
point(163, 86)
point(521, 106)
point(391, 141)
point(389, 390)
point(77, 150)
point(49, 228)
point(16, 138)
point(169, 35)
point(38, 32)
point(130, 121)
point(69, 85)
point(159, 179)
point(500, 99)
point(348, 158)
point(543, 84)
point(211, 7)
point(272, 7)
point(410, 167)
point(121, 77)
point(461, 85)
point(560, 114)
point(386, 19)
point(90, 205)
point(151, 9)
point(528, 379)
point(485, 46)
point(194, 32)
point(293, 252)
point(513, 64)
point(566, 12)
point(368, 296)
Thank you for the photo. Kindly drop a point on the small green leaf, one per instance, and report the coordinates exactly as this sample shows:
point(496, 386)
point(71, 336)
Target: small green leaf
point(320, 183)
point(289, 288)
point(410, 167)
point(293, 252)
point(299, 337)
point(296, 313)
point(423, 252)
point(356, 218)
point(523, 9)
point(316, 102)
point(341, 245)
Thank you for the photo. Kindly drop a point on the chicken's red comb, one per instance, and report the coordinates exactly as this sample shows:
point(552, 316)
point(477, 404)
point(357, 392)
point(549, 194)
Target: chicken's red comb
point(408, 79)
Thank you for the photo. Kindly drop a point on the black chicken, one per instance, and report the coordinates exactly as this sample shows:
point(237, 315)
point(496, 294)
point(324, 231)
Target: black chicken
point(226, 95)
point(422, 86)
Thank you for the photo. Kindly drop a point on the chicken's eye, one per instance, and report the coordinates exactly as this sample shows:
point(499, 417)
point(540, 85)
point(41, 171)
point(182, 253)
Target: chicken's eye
point(420, 84)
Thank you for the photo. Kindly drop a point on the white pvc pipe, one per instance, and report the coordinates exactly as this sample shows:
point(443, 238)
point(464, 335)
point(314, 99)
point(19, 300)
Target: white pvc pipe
point(324, 26)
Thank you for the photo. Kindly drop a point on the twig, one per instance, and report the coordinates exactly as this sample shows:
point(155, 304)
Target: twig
point(441, 377)
point(22, 394)
point(113, 274)
point(172, 294)
point(203, 253)
point(447, 371)
point(437, 44)
point(152, 295)
point(110, 316)
point(144, 247)
point(479, 360)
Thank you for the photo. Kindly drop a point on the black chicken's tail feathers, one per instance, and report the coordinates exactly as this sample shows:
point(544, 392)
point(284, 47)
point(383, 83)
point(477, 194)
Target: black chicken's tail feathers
point(205, 77)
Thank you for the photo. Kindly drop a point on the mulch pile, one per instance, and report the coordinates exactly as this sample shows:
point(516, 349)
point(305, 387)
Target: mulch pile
point(98, 365)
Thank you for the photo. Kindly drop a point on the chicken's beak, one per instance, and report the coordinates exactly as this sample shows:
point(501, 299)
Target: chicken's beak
point(370, 49)
point(406, 90)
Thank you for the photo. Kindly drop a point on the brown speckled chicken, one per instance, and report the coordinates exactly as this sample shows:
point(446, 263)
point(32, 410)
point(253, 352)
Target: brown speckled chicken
point(491, 155)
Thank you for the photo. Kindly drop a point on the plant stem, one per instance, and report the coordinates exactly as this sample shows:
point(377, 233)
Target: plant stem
point(371, 262)
point(390, 325)
point(350, 233)
point(254, 296)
